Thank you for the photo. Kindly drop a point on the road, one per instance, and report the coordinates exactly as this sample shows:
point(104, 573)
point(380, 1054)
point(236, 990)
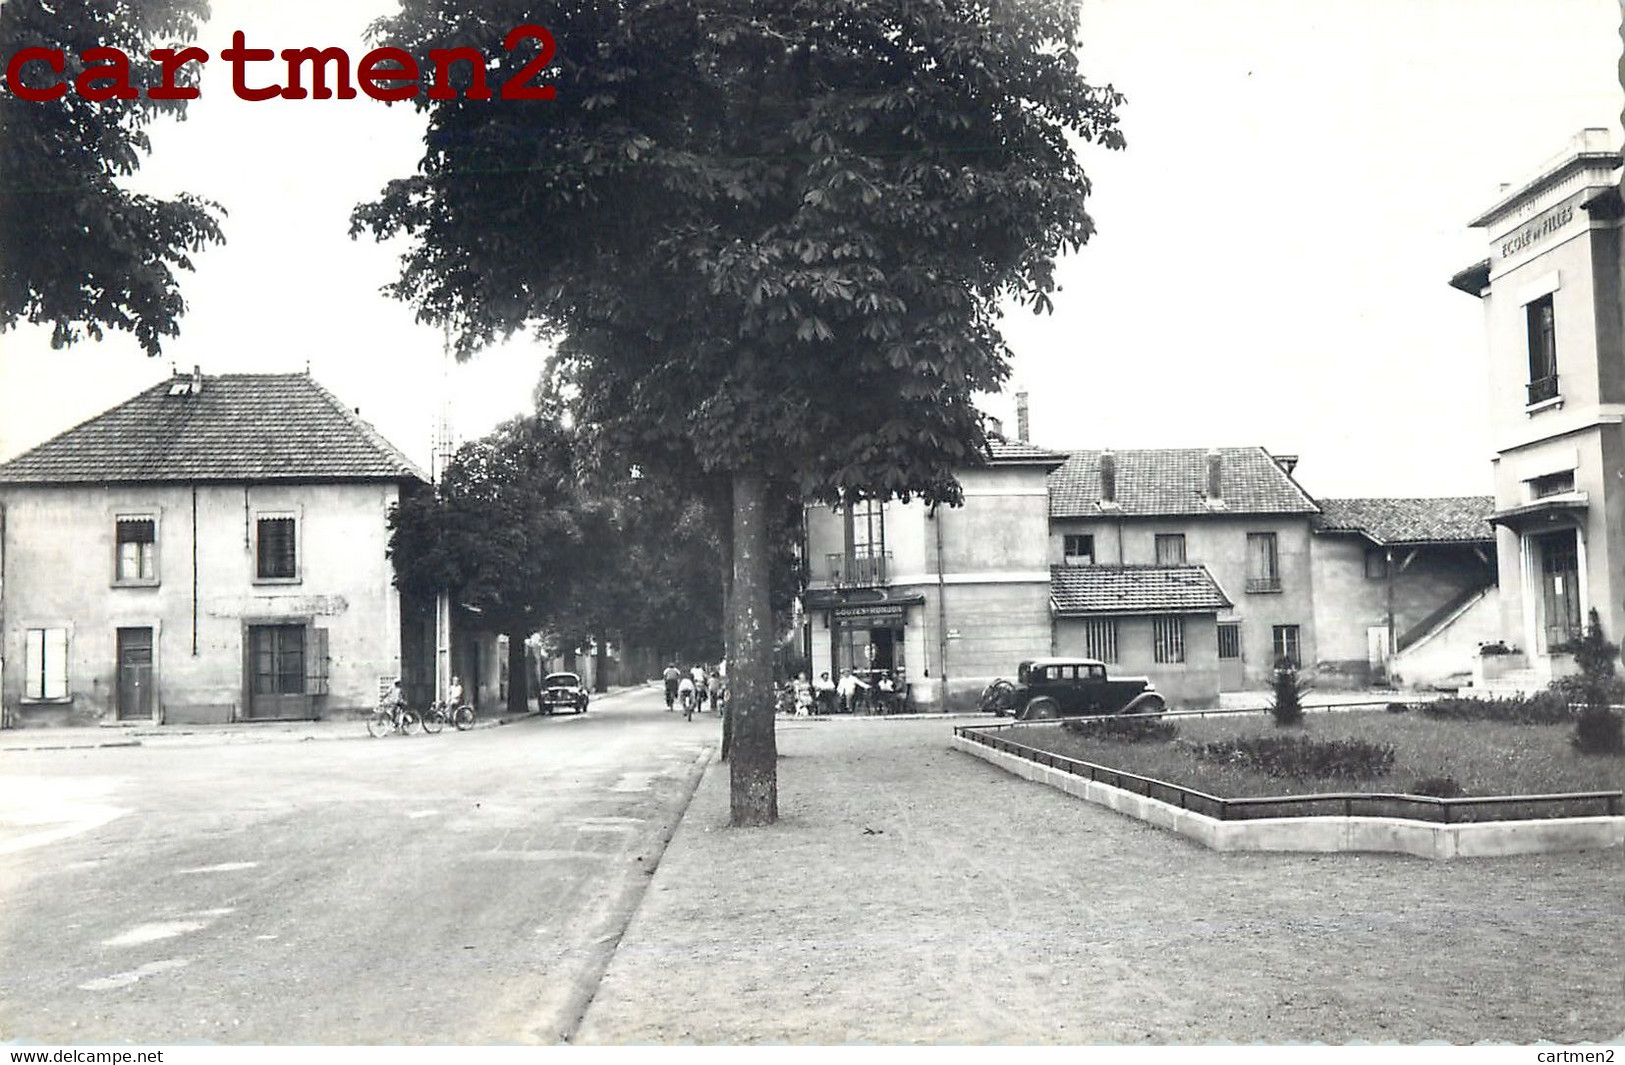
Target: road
point(461, 888)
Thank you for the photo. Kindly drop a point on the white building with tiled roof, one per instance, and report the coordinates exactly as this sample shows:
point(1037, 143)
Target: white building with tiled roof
point(1234, 513)
point(1552, 290)
point(211, 550)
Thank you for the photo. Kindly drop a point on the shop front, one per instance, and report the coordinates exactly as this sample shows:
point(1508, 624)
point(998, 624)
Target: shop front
point(866, 633)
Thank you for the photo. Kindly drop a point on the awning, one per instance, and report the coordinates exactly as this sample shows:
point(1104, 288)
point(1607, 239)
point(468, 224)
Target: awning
point(1562, 511)
point(831, 598)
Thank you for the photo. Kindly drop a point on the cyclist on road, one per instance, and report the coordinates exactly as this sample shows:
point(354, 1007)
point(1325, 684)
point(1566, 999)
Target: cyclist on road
point(672, 676)
point(687, 693)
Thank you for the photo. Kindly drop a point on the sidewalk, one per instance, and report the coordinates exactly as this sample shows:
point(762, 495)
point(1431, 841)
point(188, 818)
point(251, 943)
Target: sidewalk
point(147, 734)
point(911, 894)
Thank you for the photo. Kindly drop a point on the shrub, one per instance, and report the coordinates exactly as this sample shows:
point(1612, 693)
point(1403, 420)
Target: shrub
point(1437, 787)
point(1125, 728)
point(1399, 708)
point(1300, 756)
point(1545, 708)
point(1598, 731)
point(1287, 707)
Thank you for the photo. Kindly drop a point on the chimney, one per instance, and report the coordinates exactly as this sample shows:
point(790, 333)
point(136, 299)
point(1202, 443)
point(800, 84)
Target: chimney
point(1108, 477)
point(197, 379)
point(1215, 476)
point(1021, 416)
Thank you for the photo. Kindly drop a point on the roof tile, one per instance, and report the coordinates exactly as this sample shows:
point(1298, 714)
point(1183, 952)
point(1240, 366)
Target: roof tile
point(1447, 519)
point(1118, 590)
point(236, 427)
point(1173, 482)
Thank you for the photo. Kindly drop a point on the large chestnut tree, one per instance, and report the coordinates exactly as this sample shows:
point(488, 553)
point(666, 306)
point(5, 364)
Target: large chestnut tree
point(777, 237)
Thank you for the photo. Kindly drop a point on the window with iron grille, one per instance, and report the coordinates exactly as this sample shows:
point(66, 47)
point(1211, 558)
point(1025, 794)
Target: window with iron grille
point(1286, 645)
point(136, 546)
point(1229, 639)
point(277, 549)
point(1100, 639)
point(1168, 639)
point(1170, 549)
point(1078, 549)
point(1551, 484)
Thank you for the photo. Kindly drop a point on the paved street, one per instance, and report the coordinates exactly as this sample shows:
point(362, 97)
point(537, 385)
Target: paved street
point(460, 888)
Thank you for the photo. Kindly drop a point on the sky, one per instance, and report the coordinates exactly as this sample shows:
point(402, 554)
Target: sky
point(1270, 266)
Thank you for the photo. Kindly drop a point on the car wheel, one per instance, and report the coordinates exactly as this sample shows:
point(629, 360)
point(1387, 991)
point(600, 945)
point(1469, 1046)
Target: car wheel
point(1042, 708)
point(999, 697)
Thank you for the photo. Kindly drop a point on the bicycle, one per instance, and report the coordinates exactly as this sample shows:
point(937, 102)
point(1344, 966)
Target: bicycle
point(395, 718)
point(688, 705)
point(440, 714)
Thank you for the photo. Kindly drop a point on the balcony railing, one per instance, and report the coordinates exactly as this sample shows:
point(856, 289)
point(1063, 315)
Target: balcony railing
point(1542, 388)
point(1258, 585)
point(865, 570)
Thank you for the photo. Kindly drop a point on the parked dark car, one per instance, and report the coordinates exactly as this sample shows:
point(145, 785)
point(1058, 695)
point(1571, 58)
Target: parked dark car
point(1069, 687)
point(563, 691)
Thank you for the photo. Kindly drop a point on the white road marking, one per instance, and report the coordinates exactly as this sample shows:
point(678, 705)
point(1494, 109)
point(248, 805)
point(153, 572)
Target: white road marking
point(224, 867)
point(537, 856)
point(147, 933)
point(107, 983)
point(415, 814)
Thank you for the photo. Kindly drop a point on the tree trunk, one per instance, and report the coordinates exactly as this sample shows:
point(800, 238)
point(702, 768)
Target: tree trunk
point(600, 672)
point(518, 675)
point(753, 750)
point(725, 544)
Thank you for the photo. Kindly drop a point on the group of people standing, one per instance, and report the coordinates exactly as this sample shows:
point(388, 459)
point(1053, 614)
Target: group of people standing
point(694, 687)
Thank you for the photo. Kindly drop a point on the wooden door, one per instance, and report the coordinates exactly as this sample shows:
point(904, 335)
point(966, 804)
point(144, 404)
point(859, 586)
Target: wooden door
point(134, 674)
point(276, 663)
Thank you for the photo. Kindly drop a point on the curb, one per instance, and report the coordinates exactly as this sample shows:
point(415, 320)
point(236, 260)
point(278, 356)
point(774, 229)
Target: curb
point(239, 731)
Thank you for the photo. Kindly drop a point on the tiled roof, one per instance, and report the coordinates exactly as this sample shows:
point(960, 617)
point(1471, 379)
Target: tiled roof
point(1116, 590)
point(1173, 482)
point(1002, 452)
point(236, 427)
point(1451, 519)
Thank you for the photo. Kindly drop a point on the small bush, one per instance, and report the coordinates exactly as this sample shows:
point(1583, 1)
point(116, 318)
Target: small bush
point(1126, 728)
point(1437, 787)
point(1399, 708)
point(1599, 731)
point(1287, 707)
point(1545, 708)
point(1301, 757)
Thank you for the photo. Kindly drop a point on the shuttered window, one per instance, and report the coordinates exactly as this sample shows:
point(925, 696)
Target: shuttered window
point(45, 664)
point(277, 549)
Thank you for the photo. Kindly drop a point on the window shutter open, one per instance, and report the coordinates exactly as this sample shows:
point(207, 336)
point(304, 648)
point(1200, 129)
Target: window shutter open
point(316, 663)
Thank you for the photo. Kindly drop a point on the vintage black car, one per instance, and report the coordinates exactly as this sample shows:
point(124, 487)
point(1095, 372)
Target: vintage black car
point(563, 691)
point(1069, 687)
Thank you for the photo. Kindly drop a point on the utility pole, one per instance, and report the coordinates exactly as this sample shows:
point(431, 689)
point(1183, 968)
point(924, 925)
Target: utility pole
point(439, 456)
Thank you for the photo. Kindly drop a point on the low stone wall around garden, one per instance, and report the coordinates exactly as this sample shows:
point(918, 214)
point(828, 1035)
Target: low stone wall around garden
point(1424, 839)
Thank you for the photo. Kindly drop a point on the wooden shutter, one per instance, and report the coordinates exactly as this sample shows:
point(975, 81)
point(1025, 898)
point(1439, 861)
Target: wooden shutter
point(316, 662)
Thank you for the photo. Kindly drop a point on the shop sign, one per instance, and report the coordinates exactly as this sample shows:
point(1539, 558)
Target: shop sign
point(868, 616)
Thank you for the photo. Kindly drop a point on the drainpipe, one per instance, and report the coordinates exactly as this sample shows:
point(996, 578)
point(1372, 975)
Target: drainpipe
point(194, 571)
point(942, 610)
point(1393, 646)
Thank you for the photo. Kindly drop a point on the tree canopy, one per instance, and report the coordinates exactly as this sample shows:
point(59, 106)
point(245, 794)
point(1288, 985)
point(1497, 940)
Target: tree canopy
point(77, 250)
point(777, 238)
